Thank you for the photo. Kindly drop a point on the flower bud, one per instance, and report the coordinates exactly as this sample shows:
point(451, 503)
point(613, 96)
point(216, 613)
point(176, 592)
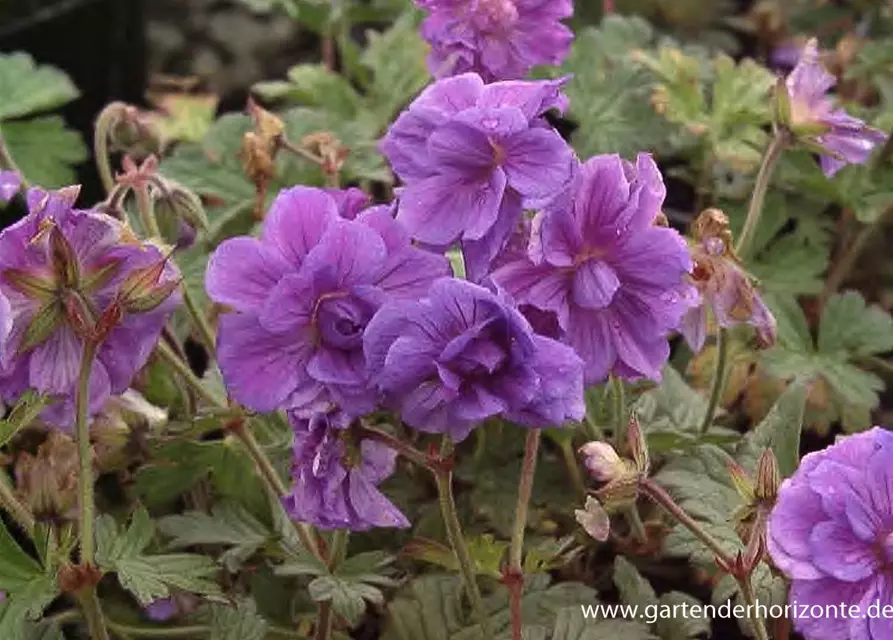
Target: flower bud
point(48, 482)
point(180, 213)
point(602, 461)
point(637, 445)
point(768, 477)
point(129, 129)
point(594, 519)
point(741, 481)
point(781, 105)
point(143, 290)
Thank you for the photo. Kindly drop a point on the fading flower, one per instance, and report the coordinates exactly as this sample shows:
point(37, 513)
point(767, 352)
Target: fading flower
point(594, 519)
point(472, 156)
point(463, 355)
point(67, 276)
point(723, 286)
point(614, 280)
point(335, 480)
point(48, 482)
point(831, 533)
point(811, 116)
point(302, 295)
point(499, 39)
point(10, 184)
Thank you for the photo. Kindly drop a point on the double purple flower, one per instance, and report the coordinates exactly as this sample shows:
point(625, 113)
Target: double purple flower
point(612, 278)
point(499, 39)
point(471, 156)
point(831, 533)
point(302, 294)
point(463, 355)
point(63, 273)
point(335, 479)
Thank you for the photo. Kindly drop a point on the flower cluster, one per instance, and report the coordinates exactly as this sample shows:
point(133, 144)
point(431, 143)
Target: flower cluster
point(69, 278)
point(830, 533)
point(472, 156)
point(499, 39)
point(810, 114)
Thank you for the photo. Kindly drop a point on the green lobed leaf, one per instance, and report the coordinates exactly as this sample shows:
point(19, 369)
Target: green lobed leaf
point(570, 624)
point(634, 589)
point(19, 612)
point(45, 150)
point(149, 577)
point(240, 621)
point(780, 429)
point(27, 88)
point(348, 598)
point(228, 524)
point(17, 569)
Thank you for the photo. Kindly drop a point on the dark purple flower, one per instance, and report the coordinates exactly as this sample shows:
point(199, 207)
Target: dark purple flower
point(499, 39)
point(302, 294)
point(471, 157)
point(612, 278)
point(831, 533)
point(723, 286)
point(847, 140)
point(10, 183)
point(463, 355)
point(335, 480)
point(161, 610)
point(63, 272)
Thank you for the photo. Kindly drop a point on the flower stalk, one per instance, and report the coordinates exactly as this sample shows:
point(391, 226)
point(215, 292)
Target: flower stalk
point(20, 513)
point(515, 572)
point(325, 617)
point(719, 379)
point(8, 162)
point(443, 476)
point(780, 142)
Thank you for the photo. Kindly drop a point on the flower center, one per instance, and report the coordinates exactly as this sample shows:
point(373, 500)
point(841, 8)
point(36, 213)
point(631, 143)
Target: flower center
point(496, 14)
point(340, 320)
point(884, 549)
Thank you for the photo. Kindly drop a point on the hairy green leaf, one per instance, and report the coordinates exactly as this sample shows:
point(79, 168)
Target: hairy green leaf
point(237, 622)
point(27, 88)
point(45, 149)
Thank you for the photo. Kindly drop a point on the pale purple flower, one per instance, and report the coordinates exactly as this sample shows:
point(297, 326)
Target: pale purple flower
point(62, 273)
point(726, 289)
point(10, 183)
point(302, 295)
point(499, 39)
point(611, 277)
point(472, 156)
point(463, 355)
point(847, 140)
point(161, 610)
point(602, 461)
point(335, 480)
point(831, 533)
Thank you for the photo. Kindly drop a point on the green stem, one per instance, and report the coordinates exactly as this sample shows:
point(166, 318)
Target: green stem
point(87, 507)
point(20, 513)
point(274, 483)
point(188, 376)
point(325, 617)
point(719, 379)
point(101, 156)
point(403, 448)
point(196, 631)
point(841, 269)
point(516, 550)
point(620, 417)
point(444, 480)
point(93, 614)
point(573, 468)
point(779, 143)
point(756, 622)
point(636, 525)
point(666, 502)
point(200, 320)
point(146, 208)
point(9, 163)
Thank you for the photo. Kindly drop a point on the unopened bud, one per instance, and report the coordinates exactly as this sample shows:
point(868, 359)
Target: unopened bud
point(64, 259)
point(129, 130)
point(637, 445)
point(768, 477)
point(143, 290)
point(48, 482)
point(602, 461)
point(781, 105)
point(741, 481)
point(594, 519)
point(176, 207)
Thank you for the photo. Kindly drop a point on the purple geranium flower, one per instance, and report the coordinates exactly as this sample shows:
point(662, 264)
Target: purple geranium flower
point(499, 39)
point(724, 286)
point(463, 355)
point(10, 183)
point(302, 295)
point(471, 156)
point(847, 140)
point(63, 273)
point(335, 480)
point(830, 533)
point(350, 201)
point(613, 279)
